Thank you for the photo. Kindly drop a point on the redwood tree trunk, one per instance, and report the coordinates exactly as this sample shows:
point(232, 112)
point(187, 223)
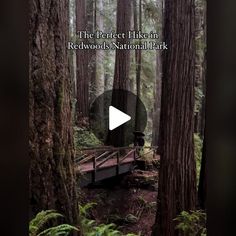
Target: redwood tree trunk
point(158, 82)
point(91, 26)
point(157, 101)
point(177, 183)
point(122, 68)
point(52, 177)
point(99, 83)
point(82, 67)
point(122, 60)
point(138, 60)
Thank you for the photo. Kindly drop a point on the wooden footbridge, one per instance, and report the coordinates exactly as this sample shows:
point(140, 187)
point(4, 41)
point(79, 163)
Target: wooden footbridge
point(96, 164)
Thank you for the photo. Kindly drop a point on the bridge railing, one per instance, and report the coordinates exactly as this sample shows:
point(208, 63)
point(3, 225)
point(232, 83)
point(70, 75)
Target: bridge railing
point(93, 160)
point(100, 155)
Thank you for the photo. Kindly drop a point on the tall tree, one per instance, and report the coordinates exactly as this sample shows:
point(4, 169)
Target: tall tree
point(82, 67)
point(138, 61)
point(91, 26)
point(52, 177)
point(122, 67)
point(177, 182)
point(122, 59)
point(100, 82)
point(158, 81)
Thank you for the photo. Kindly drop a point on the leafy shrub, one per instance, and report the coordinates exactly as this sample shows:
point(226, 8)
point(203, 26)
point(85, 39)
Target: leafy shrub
point(89, 228)
point(85, 138)
point(37, 225)
point(192, 223)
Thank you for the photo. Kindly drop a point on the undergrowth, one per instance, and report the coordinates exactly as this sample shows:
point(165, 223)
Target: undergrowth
point(85, 138)
point(90, 228)
point(192, 223)
point(38, 225)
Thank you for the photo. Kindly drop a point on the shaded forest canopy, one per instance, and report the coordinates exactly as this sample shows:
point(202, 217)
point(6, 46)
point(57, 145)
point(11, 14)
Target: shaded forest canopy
point(104, 20)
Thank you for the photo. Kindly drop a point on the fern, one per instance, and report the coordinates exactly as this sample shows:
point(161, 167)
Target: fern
point(83, 210)
point(63, 229)
point(89, 228)
point(192, 223)
point(36, 226)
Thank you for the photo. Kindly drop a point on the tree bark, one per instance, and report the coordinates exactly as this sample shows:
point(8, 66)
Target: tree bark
point(100, 83)
point(122, 68)
point(51, 176)
point(158, 82)
point(157, 101)
point(138, 60)
point(177, 180)
point(82, 68)
point(122, 60)
point(91, 26)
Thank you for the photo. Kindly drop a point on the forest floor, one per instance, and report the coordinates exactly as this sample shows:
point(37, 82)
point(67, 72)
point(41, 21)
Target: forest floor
point(128, 201)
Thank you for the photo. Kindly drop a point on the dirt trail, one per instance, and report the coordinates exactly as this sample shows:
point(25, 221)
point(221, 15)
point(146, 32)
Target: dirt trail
point(130, 203)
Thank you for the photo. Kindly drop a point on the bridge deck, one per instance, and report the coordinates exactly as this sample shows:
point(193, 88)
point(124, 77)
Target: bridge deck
point(87, 167)
point(98, 164)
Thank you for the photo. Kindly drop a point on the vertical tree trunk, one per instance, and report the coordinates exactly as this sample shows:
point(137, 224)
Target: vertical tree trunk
point(72, 53)
point(122, 67)
point(138, 57)
point(99, 84)
point(177, 182)
point(122, 60)
point(157, 101)
point(158, 82)
point(52, 177)
point(91, 26)
point(82, 68)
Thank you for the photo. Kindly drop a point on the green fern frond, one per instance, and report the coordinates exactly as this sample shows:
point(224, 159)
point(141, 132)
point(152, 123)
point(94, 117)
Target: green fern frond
point(105, 229)
point(41, 219)
point(89, 228)
point(83, 210)
point(192, 223)
point(36, 225)
point(63, 229)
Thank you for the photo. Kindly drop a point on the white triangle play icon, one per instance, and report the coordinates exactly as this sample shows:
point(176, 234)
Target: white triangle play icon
point(117, 118)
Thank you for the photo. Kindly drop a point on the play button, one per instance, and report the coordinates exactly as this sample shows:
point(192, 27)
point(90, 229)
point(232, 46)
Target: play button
point(117, 118)
point(115, 115)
